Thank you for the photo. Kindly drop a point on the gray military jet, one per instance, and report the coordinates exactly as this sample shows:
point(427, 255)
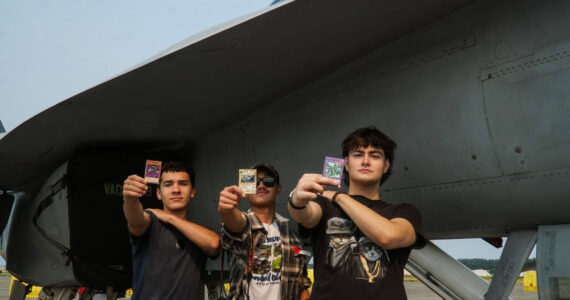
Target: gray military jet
point(475, 93)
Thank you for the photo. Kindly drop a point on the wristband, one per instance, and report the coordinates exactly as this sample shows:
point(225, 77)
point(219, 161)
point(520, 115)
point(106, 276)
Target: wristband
point(336, 194)
point(291, 201)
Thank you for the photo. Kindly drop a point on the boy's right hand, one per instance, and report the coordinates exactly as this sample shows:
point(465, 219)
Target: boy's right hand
point(309, 186)
point(134, 187)
point(229, 198)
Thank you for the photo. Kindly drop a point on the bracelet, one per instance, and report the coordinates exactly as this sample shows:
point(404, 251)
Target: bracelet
point(291, 201)
point(336, 194)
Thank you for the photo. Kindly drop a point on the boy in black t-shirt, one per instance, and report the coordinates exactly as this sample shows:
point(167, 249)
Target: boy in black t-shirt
point(360, 243)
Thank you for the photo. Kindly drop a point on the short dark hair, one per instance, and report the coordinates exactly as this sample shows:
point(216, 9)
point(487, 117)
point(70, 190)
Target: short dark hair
point(369, 136)
point(178, 166)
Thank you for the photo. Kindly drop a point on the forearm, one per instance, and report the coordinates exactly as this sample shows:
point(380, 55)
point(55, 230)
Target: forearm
point(135, 216)
point(206, 239)
point(382, 231)
point(309, 216)
point(234, 221)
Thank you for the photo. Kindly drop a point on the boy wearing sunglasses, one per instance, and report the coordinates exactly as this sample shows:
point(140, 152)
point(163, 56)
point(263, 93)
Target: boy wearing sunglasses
point(266, 258)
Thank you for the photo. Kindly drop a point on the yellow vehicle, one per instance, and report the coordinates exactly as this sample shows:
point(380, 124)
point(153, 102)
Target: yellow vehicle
point(530, 281)
point(33, 293)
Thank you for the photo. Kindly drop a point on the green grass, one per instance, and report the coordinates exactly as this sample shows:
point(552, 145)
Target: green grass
point(520, 280)
point(410, 278)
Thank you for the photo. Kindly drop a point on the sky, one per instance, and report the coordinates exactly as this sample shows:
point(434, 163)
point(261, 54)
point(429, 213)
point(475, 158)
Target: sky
point(52, 50)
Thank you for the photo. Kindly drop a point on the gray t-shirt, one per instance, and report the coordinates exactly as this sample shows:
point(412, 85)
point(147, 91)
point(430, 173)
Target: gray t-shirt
point(166, 265)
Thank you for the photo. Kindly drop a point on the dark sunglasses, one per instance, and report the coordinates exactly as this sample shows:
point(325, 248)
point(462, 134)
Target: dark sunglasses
point(267, 181)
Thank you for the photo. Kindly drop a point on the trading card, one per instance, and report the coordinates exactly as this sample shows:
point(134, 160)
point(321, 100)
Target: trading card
point(333, 168)
point(248, 180)
point(152, 171)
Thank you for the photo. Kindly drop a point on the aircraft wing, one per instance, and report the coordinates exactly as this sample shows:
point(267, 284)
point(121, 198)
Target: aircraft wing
point(212, 79)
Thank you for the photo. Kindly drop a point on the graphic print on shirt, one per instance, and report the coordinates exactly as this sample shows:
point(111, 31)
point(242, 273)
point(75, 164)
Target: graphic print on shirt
point(360, 257)
point(267, 262)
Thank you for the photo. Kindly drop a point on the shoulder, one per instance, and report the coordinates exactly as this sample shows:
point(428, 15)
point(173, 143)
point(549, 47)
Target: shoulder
point(253, 222)
point(149, 213)
point(152, 218)
point(403, 210)
point(249, 215)
point(413, 215)
point(407, 211)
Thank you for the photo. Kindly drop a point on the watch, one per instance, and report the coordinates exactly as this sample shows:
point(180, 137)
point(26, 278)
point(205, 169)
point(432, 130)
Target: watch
point(291, 201)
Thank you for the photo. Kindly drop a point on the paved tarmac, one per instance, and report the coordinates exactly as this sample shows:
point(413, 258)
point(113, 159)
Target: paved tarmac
point(4, 287)
point(418, 291)
point(415, 290)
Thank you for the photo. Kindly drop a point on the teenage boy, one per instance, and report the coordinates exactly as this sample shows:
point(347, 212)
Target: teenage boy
point(360, 243)
point(169, 252)
point(266, 258)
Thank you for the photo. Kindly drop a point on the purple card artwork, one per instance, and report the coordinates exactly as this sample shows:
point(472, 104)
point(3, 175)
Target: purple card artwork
point(333, 168)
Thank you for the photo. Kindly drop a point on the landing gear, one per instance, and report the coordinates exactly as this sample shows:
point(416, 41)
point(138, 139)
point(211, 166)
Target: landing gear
point(444, 275)
point(553, 263)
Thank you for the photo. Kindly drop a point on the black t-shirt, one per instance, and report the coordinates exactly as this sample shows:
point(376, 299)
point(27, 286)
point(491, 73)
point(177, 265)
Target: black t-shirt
point(348, 265)
point(166, 265)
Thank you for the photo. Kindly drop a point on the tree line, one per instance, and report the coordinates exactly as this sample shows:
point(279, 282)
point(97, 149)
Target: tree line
point(484, 264)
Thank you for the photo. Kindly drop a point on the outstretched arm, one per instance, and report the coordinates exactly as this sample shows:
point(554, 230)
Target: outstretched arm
point(135, 187)
point(232, 218)
point(307, 189)
point(387, 233)
point(203, 237)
